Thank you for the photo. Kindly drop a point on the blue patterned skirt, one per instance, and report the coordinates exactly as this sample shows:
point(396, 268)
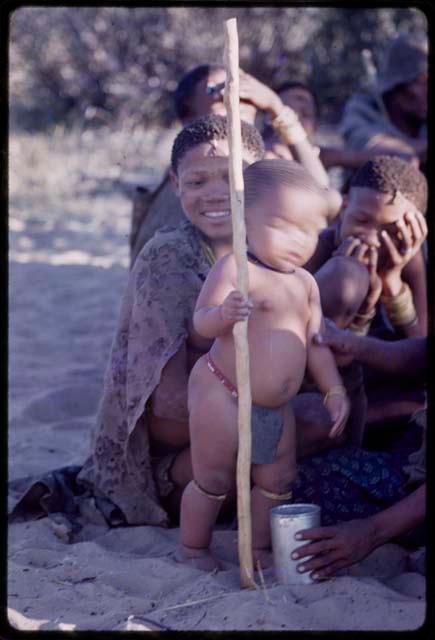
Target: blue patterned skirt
point(350, 482)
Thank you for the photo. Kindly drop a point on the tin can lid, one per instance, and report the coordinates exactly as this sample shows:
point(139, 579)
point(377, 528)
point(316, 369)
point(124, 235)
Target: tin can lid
point(295, 510)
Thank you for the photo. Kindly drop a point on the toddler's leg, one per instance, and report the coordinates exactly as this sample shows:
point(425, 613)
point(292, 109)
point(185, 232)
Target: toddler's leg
point(272, 486)
point(213, 433)
point(199, 510)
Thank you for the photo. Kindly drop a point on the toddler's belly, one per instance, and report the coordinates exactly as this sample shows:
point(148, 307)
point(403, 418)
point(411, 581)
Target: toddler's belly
point(277, 365)
point(277, 370)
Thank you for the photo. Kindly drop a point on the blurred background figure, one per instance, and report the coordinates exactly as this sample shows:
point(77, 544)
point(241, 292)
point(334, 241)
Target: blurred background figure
point(392, 118)
point(302, 99)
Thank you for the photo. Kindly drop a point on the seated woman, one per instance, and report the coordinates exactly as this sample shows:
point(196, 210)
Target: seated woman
point(371, 498)
point(140, 451)
point(382, 226)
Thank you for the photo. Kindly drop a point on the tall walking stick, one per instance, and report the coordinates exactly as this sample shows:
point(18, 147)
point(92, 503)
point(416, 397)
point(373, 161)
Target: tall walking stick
point(240, 329)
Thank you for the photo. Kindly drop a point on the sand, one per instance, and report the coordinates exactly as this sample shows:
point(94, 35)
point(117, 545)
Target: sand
point(69, 222)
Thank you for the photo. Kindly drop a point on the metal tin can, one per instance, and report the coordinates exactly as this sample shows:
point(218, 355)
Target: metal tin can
point(285, 521)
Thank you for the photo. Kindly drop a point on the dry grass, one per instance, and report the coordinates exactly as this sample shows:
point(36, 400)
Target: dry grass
point(69, 191)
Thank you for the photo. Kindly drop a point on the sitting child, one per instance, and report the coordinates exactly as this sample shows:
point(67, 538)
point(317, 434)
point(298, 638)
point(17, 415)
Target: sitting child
point(343, 283)
point(285, 210)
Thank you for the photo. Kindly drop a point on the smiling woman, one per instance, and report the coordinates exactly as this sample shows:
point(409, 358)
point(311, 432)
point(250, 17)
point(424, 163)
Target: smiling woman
point(204, 190)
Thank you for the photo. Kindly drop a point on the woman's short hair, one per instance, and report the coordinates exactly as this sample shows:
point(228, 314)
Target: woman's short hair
point(213, 127)
point(390, 174)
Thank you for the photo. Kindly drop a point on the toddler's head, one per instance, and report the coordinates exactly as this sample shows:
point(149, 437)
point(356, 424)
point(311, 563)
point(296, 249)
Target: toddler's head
point(285, 211)
point(343, 285)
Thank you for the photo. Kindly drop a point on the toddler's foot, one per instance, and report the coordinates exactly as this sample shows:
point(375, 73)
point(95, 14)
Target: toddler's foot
point(198, 558)
point(264, 557)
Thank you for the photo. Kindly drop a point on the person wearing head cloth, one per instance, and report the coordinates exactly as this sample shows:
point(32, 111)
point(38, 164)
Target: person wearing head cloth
point(392, 117)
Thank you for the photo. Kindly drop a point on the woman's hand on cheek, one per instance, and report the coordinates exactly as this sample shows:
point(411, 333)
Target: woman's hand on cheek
point(411, 233)
point(335, 547)
point(352, 247)
point(375, 284)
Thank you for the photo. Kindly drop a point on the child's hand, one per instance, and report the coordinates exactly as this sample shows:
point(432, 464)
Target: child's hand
point(338, 406)
point(235, 307)
point(353, 247)
point(367, 309)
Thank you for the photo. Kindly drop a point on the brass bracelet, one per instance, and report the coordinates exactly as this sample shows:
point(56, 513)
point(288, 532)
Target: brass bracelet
point(400, 309)
point(288, 126)
point(361, 330)
point(366, 316)
point(336, 390)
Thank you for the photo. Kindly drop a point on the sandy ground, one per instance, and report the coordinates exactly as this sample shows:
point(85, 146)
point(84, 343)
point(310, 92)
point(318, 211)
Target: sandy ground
point(69, 222)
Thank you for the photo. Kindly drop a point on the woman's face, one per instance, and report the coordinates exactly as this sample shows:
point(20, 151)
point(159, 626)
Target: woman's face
point(368, 212)
point(202, 184)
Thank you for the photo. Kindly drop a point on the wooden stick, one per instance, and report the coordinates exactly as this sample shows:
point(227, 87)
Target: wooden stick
point(240, 330)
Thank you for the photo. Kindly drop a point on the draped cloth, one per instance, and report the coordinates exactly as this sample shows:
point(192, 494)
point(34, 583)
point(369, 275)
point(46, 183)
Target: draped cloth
point(153, 327)
point(153, 210)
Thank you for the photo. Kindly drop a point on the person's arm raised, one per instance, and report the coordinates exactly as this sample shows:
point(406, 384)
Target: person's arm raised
point(286, 123)
point(219, 305)
point(390, 145)
point(406, 263)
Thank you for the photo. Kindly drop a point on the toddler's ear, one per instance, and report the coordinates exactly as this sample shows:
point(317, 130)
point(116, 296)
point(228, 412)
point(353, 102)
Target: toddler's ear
point(174, 181)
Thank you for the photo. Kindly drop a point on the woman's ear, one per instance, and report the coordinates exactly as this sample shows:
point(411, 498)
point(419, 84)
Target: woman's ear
point(174, 181)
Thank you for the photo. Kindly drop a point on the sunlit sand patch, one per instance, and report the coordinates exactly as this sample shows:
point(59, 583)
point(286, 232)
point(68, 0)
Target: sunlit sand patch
point(16, 225)
point(19, 621)
point(68, 257)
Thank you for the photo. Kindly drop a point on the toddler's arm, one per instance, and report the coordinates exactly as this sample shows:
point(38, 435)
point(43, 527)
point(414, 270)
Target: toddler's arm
point(219, 305)
point(321, 365)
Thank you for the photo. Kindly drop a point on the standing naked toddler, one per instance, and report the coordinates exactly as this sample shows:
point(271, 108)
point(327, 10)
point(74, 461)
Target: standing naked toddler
point(285, 210)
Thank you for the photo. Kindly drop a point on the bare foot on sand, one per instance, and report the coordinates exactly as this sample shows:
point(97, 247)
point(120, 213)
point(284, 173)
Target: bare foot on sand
point(198, 558)
point(264, 557)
